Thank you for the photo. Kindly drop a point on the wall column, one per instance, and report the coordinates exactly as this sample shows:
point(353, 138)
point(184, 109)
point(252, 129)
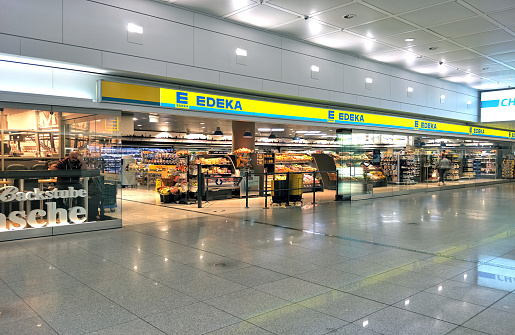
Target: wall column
point(238, 129)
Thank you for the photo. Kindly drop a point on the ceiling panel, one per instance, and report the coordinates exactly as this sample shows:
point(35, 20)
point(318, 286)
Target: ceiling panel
point(363, 15)
point(401, 58)
point(338, 40)
point(507, 57)
point(464, 27)
point(306, 7)
point(455, 55)
point(474, 64)
point(460, 29)
point(420, 36)
point(485, 38)
point(491, 5)
point(439, 14)
point(487, 69)
point(263, 16)
point(504, 17)
point(303, 29)
point(383, 27)
point(441, 47)
point(397, 7)
point(497, 48)
point(218, 8)
point(368, 47)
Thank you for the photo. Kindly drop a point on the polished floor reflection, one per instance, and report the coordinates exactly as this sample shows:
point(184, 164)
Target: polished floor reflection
point(441, 263)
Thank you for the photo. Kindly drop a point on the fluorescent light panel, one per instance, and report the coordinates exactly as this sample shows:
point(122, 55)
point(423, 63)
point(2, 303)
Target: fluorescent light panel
point(134, 28)
point(241, 52)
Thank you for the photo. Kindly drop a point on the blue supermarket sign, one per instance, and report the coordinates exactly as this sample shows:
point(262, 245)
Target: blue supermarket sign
point(498, 105)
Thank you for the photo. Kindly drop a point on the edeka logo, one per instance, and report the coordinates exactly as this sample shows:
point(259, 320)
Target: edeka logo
point(343, 116)
point(203, 101)
point(476, 131)
point(425, 125)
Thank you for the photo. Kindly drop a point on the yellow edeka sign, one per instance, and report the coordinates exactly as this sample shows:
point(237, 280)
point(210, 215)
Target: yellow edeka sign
point(163, 97)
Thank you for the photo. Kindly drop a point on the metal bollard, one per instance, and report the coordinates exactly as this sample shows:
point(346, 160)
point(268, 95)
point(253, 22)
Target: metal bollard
point(266, 190)
point(199, 187)
point(247, 189)
point(313, 187)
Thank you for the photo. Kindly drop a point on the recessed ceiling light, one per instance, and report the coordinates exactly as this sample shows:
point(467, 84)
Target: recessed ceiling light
point(202, 123)
point(409, 39)
point(433, 48)
point(135, 119)
point(349, 16)
point(167, 122)
point(139, 125)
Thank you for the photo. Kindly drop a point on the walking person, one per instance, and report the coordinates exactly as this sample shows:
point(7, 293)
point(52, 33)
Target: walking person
point(443, 166)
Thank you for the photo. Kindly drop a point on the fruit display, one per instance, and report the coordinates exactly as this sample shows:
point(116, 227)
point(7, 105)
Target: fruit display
point(213, 161)
point(243, 151)
point(294, 168)
point(183, 153)
point(293, 158)
point(375, 175)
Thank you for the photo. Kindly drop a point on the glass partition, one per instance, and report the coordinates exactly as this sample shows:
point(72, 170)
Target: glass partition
point(55, 175)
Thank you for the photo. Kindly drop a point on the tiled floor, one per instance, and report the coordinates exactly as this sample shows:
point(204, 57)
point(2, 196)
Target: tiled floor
point(441, 263)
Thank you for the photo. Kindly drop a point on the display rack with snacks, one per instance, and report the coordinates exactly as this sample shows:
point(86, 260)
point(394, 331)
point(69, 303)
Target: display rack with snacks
point(508, 168)
point(406, 168)
point(298, 162)
point(468, 168)
point(454, 171)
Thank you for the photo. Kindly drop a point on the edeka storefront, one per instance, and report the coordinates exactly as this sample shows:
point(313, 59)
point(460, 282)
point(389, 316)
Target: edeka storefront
point(179, 99)
point(35, 199)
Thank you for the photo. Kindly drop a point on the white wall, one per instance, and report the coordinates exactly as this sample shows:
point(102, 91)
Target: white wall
point(179, 44)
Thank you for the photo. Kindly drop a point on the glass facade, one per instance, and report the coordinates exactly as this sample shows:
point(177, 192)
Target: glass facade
point(55, 175)
point(373, 164)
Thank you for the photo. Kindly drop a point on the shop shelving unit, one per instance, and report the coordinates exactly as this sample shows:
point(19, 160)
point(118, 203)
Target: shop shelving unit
point(219, 171)
point(299, 162)
point(468, 168)
point(406, 169)
point(508, 168)
point(454, 171)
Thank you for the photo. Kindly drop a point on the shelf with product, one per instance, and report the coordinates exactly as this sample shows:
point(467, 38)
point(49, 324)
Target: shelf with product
point(508, 168)
point(488, 162)
point(299, 162)
point(221, 180)
point(454, 171)
point(406, 168)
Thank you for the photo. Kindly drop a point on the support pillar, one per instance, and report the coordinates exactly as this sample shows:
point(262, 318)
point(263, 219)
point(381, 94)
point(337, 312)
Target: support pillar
point(238, 129)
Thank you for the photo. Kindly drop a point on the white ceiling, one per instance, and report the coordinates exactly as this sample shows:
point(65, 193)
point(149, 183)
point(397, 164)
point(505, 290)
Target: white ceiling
point(475, 39)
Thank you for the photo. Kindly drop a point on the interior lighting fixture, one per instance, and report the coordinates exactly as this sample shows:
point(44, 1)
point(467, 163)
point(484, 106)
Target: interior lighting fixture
point(241, 52)
point(134, 28)
point(296, 138)
point(247, 134)
point(368, 83)
point(153, 118)
point(409, 39)
point(409, 92)
point(277, 129)
point(135, 119)
point(301, 131)
point(469, 102)
point(314, 71)
point(272, 136)
point(241, 56)
point(349, 16)
point(410, 89)
point(218, 132)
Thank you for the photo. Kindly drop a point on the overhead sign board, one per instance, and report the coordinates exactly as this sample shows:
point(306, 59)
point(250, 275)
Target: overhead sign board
point(180, 99)
point(498, 105)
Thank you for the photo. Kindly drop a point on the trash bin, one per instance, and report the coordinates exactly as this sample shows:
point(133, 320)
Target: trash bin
point(296, 185)
point(280, 191)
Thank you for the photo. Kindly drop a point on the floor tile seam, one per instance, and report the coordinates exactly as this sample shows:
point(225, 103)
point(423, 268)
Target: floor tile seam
point(32, 309)
point(288, 303)
point(349, 239)
point(474, 330)
point(485, 309)
point(95, 290)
